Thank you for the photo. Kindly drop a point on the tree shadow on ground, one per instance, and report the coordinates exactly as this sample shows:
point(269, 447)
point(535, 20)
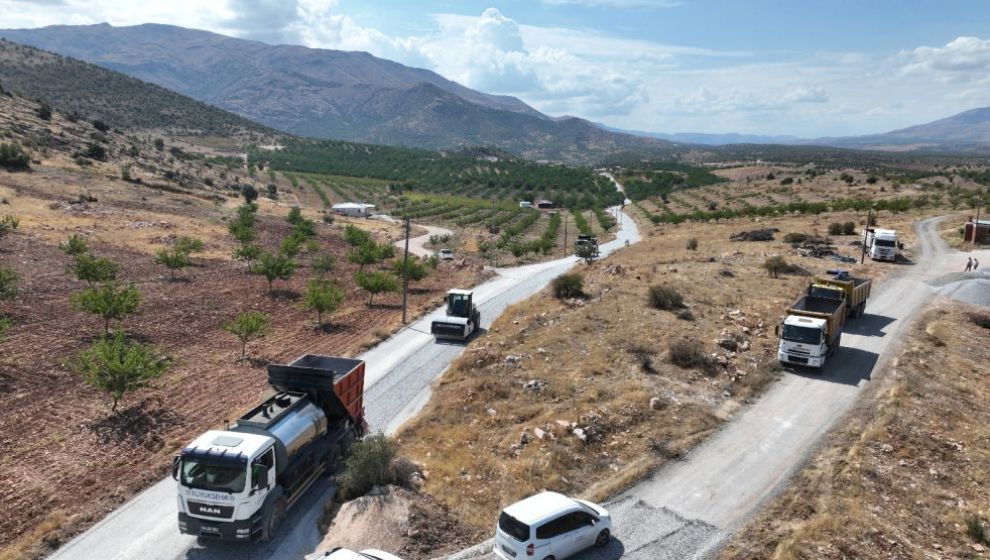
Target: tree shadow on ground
point(141, 425)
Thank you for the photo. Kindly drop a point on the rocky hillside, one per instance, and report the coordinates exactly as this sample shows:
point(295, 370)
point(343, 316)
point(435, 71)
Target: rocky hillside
point(331, 94)
point(86, 91)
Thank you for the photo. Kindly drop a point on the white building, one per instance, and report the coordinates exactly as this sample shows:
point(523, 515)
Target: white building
point(355, 209)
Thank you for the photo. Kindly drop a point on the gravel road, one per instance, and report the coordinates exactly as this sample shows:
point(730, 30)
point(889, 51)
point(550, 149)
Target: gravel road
point(417, 245)
point(690, 508)
point(399, 373)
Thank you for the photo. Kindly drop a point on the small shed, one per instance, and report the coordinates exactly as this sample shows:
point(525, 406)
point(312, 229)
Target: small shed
point(525, 204)
point(543, 204)
point(977, 231)
point(355, 209)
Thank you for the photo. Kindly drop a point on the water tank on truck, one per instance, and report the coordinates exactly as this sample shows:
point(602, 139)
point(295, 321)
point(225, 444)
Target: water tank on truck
point(238, 483)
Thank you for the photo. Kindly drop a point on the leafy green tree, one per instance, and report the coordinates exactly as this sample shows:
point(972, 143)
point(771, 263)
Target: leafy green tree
point(376, 282)
point(274, 266)
point(355, 236)
point(249, 193)
point(413, 267)
point(109, 301)
point(365, 254)
point(247, 253)
point(174, 260)
point(94, 270)
point(291, 246)
point(322, 296)
point(118, 366)
point(188, 245)
point(45, 112)
point(75, 245)
point(324, 264)
point(248, 326)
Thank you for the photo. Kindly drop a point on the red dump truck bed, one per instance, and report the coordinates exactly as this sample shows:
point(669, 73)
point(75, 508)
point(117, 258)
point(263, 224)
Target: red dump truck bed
point(336, 384)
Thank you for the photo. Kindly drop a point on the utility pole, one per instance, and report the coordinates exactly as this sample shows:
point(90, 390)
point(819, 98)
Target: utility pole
point(862, 257)
point(976, 224)
point(405, 273)
point(565, 235)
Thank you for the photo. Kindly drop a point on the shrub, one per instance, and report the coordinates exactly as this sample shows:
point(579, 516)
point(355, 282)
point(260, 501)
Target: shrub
point(45, 112)
point(247, 253)
point(355, 236)
point(8, 283)
point(871, 180)
point(95, 151)
point(93, 270)
point(5, 324)
point(373, 461)
point(414, 269)
point(100, 125)
point(685, 315)
point(665, 297)
point(980, 319)
point(975, 529)
point(248, 326)
point(568, 286)
point(692, 244)
point(787, 181)
point(689, 353)
point(776, 265)
point(173, 260)
point(835, 228)
point(117, 366)
point(12, 156)
point(272, 191)
point(849, 228)
point(159, 144)
point(795, 238)
point(323, 264)
point(109, 302)
point(8, 224)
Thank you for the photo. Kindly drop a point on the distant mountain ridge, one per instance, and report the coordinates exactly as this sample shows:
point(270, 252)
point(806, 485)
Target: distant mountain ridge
point(91, 92)
point(968, 131)
point(330, 94)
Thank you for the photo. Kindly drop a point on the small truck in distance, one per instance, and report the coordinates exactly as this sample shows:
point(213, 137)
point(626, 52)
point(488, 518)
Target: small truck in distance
point(854, 291)
point(811, 332)
point(462, 320)
point(236, 484)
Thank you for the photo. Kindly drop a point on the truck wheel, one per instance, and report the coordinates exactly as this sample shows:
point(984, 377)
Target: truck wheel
point(273, 519)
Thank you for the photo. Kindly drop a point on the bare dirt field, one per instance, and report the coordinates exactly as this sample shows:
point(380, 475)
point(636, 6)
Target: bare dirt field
point(66, 461)
point(581, 395)
point(907, 476)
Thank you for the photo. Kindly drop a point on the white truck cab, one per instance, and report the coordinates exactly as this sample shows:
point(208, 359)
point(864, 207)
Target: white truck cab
point(224, 476)
point(881, 244)
point(803, 341)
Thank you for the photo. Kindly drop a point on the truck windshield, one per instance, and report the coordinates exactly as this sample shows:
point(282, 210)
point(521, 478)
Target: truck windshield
point(885, 243)
point(457, 306)
point(207, 476)
point(804, 335)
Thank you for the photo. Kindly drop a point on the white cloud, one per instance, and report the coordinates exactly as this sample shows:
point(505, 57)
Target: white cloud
point(964, 59)
point(657, 4)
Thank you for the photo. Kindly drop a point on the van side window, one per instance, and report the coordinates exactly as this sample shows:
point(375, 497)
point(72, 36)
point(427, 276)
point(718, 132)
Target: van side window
point(551, 529)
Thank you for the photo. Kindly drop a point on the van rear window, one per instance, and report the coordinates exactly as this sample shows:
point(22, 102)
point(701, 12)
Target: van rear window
point(513, 527)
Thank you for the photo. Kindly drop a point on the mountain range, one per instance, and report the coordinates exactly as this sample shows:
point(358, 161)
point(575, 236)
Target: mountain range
point(331, 94)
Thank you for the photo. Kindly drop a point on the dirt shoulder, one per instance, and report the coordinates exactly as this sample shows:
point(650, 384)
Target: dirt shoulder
point(907, 476)
point(581, 395)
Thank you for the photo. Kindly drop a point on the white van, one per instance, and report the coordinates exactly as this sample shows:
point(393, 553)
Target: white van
point(550, 526)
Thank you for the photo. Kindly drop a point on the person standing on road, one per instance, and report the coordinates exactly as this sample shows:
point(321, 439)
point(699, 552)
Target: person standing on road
point(969, 264)
point(976, 264)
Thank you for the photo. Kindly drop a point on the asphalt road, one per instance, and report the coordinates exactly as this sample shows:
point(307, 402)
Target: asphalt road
point(690, 508)
point(399, 372)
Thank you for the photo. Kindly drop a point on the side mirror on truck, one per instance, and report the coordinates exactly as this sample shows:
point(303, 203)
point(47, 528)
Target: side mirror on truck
point(175, 467)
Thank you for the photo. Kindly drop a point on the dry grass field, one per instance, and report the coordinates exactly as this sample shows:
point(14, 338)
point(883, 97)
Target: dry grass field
point(908, 476)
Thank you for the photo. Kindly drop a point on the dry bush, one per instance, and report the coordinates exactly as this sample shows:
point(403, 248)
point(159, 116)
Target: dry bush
point(980, 319)
point(776, 265)
point(567, 286)
point(665, 297)
point(688, 353)
point(692, 244)
point(795, 237)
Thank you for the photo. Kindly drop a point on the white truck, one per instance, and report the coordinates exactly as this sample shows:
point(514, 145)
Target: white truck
point(237, 484)
point(881, 244)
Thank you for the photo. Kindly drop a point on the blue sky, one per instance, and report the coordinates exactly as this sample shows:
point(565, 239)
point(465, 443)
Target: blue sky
point(805, 68)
